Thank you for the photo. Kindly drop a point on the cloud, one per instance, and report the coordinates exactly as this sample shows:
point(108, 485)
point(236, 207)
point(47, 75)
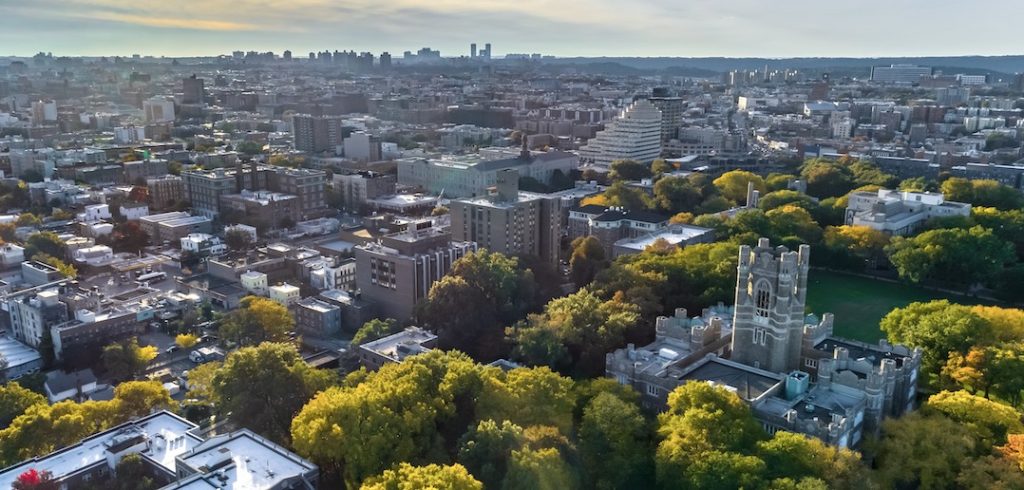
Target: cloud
point(172, 22)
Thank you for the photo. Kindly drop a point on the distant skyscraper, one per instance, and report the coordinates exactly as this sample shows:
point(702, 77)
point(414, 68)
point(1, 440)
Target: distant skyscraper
point(385, 60)
point(193, 91)
point(487, 52)
point(472, 51)
point(287, 55)
point(634, 135)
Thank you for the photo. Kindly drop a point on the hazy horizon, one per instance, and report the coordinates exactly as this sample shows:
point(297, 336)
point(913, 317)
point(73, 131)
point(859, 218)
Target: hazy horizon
point(572, 28)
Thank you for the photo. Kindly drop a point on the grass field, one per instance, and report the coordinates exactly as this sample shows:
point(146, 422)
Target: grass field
point(859, 303)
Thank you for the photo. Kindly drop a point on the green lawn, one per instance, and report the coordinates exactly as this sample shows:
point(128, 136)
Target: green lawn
point(859, 303)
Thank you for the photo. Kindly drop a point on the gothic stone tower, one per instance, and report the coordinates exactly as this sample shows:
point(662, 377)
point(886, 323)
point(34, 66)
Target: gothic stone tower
point(771, 288)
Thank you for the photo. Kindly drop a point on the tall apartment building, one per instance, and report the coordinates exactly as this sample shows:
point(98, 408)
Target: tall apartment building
point(509, 221)
point(316, 134)
point(672, 109)
point(203, 189)
point(309, 185)
point(634, 135)
point(397, 271)
point(193, 91)
point(165, 192)
point(158, 110)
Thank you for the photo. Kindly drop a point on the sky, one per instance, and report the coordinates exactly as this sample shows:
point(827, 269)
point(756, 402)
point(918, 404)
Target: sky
point(685, 28)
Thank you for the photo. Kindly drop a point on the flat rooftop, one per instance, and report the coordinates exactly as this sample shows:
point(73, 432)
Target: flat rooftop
point(749, 383)
point(169, 436)
point(403, 344)
point(243, 460)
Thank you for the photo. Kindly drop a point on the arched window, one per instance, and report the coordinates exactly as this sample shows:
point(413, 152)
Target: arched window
point(763, 300)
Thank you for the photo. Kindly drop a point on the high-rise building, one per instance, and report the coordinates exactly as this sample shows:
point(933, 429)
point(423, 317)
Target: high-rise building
point(316, 134)
point(385, 60)
point(672, 109)
point(158, 110)
point(472, 51)
point(44, 111)
point(509, 221)
point(397, 271)
point(193, 91)
point(634, 135)
point(486, 55)
point(287, 55)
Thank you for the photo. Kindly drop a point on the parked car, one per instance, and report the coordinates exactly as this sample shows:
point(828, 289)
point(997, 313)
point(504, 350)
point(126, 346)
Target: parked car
point(172, 349)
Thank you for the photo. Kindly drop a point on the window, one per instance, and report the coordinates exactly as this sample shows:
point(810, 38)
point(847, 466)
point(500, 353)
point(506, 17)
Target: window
point(653, 390)
point(763, 300)
point(760, 336)
point(811, 363)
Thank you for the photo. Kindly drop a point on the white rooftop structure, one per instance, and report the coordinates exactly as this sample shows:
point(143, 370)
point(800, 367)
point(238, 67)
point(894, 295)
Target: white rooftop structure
point(159, 438)
point(900, 212)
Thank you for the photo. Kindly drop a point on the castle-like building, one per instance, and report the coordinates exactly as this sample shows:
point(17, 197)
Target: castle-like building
point(795, 374)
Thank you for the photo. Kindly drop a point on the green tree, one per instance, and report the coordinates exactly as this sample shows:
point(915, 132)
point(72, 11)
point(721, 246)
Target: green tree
point(660, 166)
point(45, 242)
point(965, 257)
point(129, 237)
point(782, 198)
point(14, 400)
point(408, 477)
point(28, 219)
point(777, 182)
point(586, 325)
point(469, 308)
point(917, 451)
point(257, 320)
point(632, 198)
point(238, 240)
point(265, 386)
point(131, 473)
point(127, 359)
point(538, 469)
point(733, 185)
point(615, 445)
point(629, 170)
point(676, 194)
point(990, 422)
point(527, 397)
point(375, 329)
point(65, 269)
point(826, 179)
point(402, 412)
point(486, 448)
point(796, 456)
point(586, 260)
point(939, 328)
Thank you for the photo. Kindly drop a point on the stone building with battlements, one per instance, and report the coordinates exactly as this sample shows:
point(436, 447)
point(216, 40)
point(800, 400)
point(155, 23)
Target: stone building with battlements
point(788, 365)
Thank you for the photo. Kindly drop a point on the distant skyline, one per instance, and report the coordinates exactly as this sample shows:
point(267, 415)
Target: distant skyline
point(647, 28)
